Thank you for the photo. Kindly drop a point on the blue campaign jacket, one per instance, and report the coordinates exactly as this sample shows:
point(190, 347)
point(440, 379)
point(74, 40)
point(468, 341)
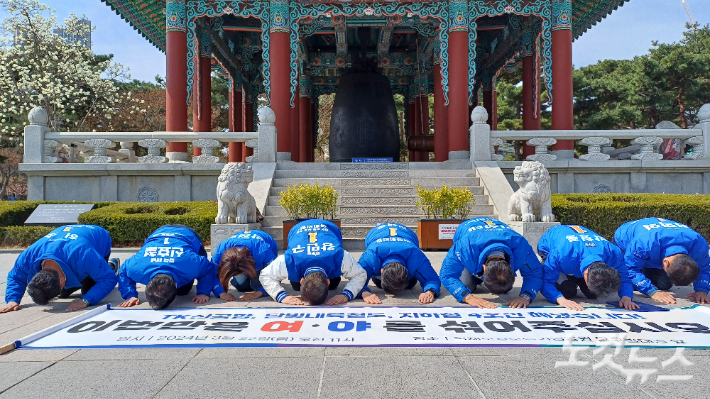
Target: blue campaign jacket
point(478, 239)
point(80, 250)
point(391, 242)
point(646, 242)
point(172, 250)
point(260, 244)
point(314, 243)
point(570, 250)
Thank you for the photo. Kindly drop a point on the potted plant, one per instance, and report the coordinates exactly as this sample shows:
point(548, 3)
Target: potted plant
point(445, 208)
point(304, 201)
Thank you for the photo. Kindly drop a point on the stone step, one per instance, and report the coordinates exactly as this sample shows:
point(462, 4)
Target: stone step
point(373, 166)
point(368, 182)
point(370, 173)
point(389, 210)
point(379, 200)
point(407, 220)
point(380, 190)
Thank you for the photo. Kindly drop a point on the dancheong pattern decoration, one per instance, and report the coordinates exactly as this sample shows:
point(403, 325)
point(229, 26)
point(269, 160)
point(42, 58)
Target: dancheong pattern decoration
point(148, 16)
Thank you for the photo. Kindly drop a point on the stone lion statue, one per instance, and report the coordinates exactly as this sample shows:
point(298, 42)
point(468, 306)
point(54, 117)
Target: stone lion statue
point(532, 201)
point(235, 204)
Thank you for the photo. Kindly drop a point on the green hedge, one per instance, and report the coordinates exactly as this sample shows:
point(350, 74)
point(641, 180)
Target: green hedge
point(604, 213)
point(22, 236)
point(130, 223)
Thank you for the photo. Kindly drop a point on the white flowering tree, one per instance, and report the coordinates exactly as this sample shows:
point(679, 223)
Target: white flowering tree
point(40, 68)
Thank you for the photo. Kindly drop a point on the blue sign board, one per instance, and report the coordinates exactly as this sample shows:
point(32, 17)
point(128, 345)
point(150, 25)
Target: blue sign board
point(371, 160)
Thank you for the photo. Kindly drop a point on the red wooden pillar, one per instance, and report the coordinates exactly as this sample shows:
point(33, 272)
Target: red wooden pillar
point(235, 120)
point(304, 130)
point(176, 76)
point(280, 68)
point(248, 123)
point(441, 119)
point(458, 93)
point(488, 105)
point(314, 128)
point(531, 100)
point(562, 89)
point(202, 89)
point(411, 115)
point(295, 127)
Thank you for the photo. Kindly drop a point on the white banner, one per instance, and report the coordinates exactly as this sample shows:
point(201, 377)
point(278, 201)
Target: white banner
point(371, 326)
point(447, 230)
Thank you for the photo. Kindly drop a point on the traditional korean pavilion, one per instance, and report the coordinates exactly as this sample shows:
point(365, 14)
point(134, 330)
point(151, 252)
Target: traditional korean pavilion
point(294, 51)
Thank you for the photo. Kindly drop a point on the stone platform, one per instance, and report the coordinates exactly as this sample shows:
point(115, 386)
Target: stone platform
point(220, 232)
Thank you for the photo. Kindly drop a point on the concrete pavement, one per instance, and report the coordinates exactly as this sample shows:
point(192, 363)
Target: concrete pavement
point(327, 372)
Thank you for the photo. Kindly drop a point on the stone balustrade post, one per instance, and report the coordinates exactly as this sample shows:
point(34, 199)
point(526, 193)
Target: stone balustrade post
point(594, 148)
point(480, 136)
point(100, 146)
point(266, 147)
point(254, 145)
point(541, 152)
point(495, 142)
point(647, 144)
point(127, 150)
point(207, 146)
point(48, 155)
point(34, 136)
point(153, 146)
point(704, 125)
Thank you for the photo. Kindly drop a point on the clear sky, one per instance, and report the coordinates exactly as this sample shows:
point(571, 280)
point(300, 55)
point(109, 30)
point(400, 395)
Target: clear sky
point(624, 34)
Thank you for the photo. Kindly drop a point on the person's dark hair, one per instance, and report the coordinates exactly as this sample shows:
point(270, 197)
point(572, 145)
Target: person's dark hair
point(499, 276)
point(683, 270)
point(234, 262)
point(602, 280)
point(394, 278)
point(314, 289)
point(44, 286)
point(160, 291)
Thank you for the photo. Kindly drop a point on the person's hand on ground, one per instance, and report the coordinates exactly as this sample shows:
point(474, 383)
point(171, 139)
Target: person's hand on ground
point(292, 300)
point(700, 297)
point(129, 302)
point(371, 298)
point(10, 307)
point(663, 297)
point(225, 296)
point(76, 305)
point(337, 300)
point(426, 297)
point(251, 296)
point(201, 299)
point(569, 304)
point(628, 304)
point(518, 303)
point(478, 302)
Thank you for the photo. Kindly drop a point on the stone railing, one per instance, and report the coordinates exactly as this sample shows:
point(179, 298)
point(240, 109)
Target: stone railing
point(484, 141)
point(44, 146)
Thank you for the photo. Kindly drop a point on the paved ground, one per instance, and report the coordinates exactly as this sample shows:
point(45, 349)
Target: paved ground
point(323, 372)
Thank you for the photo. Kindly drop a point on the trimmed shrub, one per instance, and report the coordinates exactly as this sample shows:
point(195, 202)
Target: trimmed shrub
point(604, 213)
point(22, 236)
point(130, 223)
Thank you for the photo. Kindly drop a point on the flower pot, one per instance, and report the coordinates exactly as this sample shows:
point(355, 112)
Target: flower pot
point(436, 234)
point(288, 225)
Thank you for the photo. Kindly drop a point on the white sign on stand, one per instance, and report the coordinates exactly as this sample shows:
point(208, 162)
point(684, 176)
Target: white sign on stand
point(447, 230)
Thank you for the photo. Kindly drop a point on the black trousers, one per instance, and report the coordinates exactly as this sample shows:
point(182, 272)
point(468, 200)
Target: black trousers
point(378, 282)
point(185, 289)
point(334, 282)
point(568, 288)
point(658, 277)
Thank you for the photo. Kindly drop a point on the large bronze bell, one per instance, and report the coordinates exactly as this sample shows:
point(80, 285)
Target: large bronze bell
point(364, 119)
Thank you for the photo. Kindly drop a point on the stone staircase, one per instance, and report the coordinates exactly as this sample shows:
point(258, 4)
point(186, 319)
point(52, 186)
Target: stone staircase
point(372, 193)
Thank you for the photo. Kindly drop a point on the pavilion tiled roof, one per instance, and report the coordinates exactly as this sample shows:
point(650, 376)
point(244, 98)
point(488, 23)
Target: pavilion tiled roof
point(148, 16)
